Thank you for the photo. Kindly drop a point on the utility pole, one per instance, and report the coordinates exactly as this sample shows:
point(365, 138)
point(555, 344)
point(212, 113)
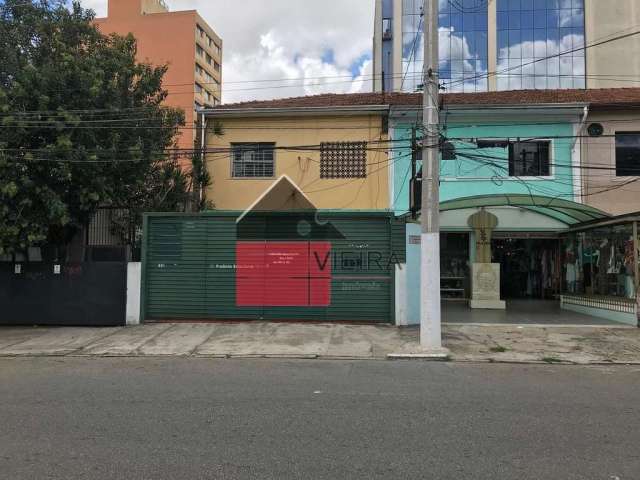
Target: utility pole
point(430, 309)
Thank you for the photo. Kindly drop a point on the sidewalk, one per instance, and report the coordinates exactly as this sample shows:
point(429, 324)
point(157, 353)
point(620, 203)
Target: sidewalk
point(472, 343)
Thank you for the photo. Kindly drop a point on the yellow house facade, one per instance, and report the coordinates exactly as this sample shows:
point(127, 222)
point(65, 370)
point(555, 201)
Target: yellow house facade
point(335, 156)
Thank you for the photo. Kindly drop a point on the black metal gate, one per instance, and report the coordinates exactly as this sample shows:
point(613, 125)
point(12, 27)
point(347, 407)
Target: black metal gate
point(88, 293)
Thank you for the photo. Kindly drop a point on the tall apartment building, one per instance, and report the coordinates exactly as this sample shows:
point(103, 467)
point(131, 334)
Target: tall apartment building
point(510, 44)
point(180, 39)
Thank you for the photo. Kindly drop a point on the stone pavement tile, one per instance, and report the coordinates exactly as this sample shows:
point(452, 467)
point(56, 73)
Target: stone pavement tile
point(581, 345)
point(12, 335)
point(348, 343)
point(233, 338)
point(304, 339)
point(59, 341)
point(370, 341)
point(181, 339)
point(612, 345)
point(394, 340)
point(126, 341)
point(267, 339)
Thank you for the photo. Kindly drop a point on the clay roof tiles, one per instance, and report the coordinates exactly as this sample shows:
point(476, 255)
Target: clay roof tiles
point(607, 97)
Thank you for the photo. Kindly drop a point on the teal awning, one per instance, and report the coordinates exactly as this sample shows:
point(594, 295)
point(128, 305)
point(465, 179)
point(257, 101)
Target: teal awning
point(565, 211)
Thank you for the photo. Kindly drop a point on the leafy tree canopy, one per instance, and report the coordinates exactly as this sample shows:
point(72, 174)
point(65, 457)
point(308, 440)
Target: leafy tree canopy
point(81, 125)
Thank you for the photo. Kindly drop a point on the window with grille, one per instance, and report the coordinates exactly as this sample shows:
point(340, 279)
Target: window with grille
point(253, 160)
point(529, 159)
point(343, 160)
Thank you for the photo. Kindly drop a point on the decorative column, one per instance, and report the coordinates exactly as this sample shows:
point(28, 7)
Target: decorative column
point(485, 279)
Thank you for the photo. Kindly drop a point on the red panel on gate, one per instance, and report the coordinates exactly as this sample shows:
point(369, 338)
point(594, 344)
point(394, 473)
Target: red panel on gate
point(283, 274)
point(286, 274)
point(320, 274)
point(250, 273)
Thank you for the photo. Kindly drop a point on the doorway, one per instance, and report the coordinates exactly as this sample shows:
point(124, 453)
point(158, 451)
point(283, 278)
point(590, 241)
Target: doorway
point(529, 267)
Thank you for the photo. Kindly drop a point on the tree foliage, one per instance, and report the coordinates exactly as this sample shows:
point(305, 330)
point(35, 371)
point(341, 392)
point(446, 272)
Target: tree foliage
point(82, 126)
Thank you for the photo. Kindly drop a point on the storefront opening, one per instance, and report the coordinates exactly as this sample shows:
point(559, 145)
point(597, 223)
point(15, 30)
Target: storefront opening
point(530, 268)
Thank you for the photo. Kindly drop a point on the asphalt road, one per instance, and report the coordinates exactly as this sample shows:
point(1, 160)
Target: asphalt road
point(101, 418)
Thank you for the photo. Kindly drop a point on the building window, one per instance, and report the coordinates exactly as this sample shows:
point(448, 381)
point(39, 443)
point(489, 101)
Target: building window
point(628, 154)
point(200, 31)
point(199, 50)
point(199, 88)
point(464, 45)
point(463, 37)
point(214, 46)
point(532, 35)
point(216, 66)
point(209, 59)
point(387, 28)
point(529, 159)
point(343, 160)
point(199, 70)
point(253, 160)
point(210, 79)
point(211, 99)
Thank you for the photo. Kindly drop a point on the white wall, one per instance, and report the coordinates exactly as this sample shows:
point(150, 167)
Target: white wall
point(134, 280)
point(610, 65)
point(401, 295)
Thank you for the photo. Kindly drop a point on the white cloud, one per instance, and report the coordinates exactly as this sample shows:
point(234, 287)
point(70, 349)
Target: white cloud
point(557, 72)
point(286, 39)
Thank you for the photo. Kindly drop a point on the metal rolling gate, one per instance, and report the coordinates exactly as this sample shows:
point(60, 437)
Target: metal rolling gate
point(315, 266)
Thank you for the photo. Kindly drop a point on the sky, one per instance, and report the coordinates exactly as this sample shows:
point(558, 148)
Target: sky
point(297, 40)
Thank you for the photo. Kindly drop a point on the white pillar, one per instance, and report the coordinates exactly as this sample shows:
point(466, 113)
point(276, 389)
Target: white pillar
point(134, 278)
point(430, 324)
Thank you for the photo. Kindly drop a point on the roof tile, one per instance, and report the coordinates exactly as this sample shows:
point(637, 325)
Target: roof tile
point(594, 97)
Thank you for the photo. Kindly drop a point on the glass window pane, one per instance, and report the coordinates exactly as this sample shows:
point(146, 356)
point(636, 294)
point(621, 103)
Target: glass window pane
point(463, 44)
point(627, 154)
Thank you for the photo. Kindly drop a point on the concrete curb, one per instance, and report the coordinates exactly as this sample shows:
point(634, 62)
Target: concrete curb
point(434, 357)
point(540, 325)
point(388, 357)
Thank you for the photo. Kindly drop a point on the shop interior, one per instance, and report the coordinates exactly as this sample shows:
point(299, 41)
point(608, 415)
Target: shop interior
point(455, 279)
point(600, 262)
point(529, 268)
point(597, 262)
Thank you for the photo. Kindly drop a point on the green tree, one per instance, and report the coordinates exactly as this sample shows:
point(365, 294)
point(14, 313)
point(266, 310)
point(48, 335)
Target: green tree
point(82, 126)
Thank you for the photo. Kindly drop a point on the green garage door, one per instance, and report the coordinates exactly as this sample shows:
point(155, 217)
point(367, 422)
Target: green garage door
point(327, 266)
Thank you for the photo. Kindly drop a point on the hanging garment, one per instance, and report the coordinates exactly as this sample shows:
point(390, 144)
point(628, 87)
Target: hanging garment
point(611, 267)
point(629, 287)
point(571, 273)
